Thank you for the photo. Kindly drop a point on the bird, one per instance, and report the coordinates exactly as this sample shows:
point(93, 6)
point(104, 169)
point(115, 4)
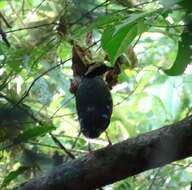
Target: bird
point(96, 69)
point(94, 105)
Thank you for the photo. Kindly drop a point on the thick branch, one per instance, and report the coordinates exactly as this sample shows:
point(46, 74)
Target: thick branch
point(105, 166)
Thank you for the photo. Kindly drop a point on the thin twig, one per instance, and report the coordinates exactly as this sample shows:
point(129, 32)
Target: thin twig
point(88, 12)
point(38, 6)
point(47, 71)
point(32, 121)
point(124, 99)
point(6, 81)
point(40, 123)
point(76, 139)
point(53, 147)
point(61, 146)
point(31, 27)
point(16, 13)
point(36, 79)
point(154, 179)
point(5, 20)
point(44, 52)
point(169, 26)
point(23, 7)
point(137, 41)
point(64, 104)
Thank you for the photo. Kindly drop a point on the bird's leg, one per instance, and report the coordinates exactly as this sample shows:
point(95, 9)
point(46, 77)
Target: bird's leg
point(89, 145)
point(108, 139)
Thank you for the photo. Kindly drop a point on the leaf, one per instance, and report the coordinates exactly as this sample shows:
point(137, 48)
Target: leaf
point(64, 50)
point(116, 44)
point(183, 56)
point(15, 57)
point(2, 4)
point(33, 132)
point(98, 23)
point(12, 175)
point(115, 40)
point(186, 4)
point(135, 17)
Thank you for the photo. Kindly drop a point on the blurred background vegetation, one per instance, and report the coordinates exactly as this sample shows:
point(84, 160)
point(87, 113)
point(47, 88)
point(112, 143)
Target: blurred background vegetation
point(38, 123)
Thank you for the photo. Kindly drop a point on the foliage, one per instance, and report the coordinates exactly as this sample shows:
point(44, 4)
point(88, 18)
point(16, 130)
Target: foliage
point(38, 122)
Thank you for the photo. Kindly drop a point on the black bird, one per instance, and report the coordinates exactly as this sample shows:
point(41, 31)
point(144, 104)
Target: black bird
point(97, 69)
point(94, 106)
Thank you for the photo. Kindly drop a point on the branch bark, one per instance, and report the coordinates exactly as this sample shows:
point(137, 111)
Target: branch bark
point(108, 165)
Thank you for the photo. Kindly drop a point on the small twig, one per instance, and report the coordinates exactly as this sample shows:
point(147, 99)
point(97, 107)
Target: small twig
point(5, 20)
point(154, 179)
point(64, 104)
point(45, 72)
point(38, 6)
point(40, 123)
point(23, 7)
point(32, 121)
point(62, 115)
point(36, 79)
point(169, 26)
point(43, 53)
point(76, 139)
point(131, 93)
point(88, 12)
point(61, 146)
point(30, 27)
point(52, 146)
point(6, 81)
point(137, 41)
point(14, 11)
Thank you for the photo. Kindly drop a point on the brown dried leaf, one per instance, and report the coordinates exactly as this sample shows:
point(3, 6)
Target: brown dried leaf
point(79, 63)
point(132, 57)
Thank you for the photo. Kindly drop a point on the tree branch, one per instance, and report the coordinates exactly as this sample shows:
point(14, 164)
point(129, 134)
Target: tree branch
point(108, 165)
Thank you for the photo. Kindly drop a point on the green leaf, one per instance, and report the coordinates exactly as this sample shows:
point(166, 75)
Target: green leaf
point(116, 39)
point(12, 175)
point(32, 133)
point(98, 23)
point(15, 58)
point(133, 18)
point(2, 4)
point(183, 56)
point(116, 44)
point(64, 50)
point(186, 4)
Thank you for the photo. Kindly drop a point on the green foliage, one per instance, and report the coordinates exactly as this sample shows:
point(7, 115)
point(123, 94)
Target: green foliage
point(153, 89)
point(115, 40)
point(13, 175)
point(184, 53)
point(170, 3)
point(32, 133)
